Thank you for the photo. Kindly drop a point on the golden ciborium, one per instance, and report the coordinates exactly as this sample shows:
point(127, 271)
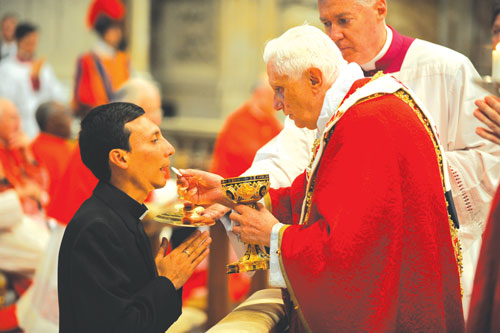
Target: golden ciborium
point(248, 190)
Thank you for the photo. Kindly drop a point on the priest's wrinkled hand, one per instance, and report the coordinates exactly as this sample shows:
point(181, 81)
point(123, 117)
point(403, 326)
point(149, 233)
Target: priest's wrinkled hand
point(253, 225)
point(200, 187)
point(488, 112)
point(179, 264)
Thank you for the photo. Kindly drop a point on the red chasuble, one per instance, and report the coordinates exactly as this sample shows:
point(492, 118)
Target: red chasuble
point(374, 252)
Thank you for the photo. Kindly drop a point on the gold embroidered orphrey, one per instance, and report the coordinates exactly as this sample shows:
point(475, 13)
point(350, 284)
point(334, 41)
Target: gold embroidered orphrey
point(408, 99)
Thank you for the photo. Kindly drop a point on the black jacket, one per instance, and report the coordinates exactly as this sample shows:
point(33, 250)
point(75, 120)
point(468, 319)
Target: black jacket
point(107, 278)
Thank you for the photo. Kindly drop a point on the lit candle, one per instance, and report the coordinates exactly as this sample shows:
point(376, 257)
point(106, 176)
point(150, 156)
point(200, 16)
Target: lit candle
point(496, 64)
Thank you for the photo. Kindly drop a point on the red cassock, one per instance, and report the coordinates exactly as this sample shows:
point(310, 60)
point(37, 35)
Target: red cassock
point(75, 187)
point(18, 170)
point(53, 152)
point(375, 253)
point(484, 315)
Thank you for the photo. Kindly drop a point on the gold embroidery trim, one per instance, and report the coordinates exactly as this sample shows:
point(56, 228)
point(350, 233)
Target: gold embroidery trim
point(268, 203)
point(401, 94)
point(326, 137)
point(295, 302)
point(377, 75)
point(405, 97)
point(314, 151)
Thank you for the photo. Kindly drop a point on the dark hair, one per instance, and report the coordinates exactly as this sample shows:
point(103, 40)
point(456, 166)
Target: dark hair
point(496, 11)
point(102, 130)
point(42, 114)
point(103, 23)
point(24, 29)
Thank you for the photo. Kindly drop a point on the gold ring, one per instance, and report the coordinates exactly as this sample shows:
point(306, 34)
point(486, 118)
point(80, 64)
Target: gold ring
point(187, 252)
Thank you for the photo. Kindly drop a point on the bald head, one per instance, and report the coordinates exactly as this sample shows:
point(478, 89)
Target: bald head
point(9, 119)
point(144, 94)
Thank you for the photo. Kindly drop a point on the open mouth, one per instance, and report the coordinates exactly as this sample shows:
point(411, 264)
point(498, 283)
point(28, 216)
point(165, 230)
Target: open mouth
point(165, 171)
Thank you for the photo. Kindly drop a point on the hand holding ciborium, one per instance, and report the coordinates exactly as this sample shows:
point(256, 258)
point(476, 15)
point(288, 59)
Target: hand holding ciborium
point(247, 190)
point(204, 188)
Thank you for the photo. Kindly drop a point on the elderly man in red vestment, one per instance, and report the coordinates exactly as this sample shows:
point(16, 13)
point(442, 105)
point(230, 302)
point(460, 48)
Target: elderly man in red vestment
point(21, 170)
point(362, 240)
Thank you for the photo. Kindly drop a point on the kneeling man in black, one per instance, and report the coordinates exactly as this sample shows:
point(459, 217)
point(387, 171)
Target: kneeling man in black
point(108, 281)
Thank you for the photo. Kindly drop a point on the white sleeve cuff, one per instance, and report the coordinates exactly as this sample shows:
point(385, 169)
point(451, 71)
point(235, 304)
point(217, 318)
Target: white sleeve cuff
point(276, 278)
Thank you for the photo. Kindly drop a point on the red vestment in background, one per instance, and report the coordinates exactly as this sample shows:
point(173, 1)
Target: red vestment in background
point(53, 152)
point(375, 253)
point(244, 132)
point(75, 187)
point(19, 171)
point(484, 315)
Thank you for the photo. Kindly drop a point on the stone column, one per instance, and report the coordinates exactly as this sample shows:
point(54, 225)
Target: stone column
point(244, 27)
point(139, 34)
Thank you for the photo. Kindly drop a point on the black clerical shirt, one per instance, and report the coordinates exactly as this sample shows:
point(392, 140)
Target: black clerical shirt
point(107, 278)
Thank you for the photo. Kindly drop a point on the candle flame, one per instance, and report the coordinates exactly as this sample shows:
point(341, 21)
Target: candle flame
point(497, 47)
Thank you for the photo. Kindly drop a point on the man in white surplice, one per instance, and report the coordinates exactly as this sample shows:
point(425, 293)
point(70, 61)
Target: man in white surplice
point(27, 81)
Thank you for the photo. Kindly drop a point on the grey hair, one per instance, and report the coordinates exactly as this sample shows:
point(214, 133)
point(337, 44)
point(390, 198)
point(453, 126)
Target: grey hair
point(303, 47)
point(132, 91)
point(361, 2)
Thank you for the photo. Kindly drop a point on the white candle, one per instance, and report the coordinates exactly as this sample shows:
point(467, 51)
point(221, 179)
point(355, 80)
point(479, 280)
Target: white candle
point(495, 76)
